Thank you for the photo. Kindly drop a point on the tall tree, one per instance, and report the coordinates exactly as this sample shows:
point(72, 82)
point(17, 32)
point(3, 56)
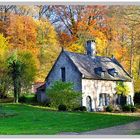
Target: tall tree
point(4, 78)
point(21, 71)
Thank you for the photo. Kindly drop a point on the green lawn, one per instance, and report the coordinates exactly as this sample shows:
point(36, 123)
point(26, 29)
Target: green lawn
point(33, 120)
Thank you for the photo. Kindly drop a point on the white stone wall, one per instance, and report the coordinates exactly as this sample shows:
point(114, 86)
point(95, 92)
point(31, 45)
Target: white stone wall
point(93, 88)
point(131, 91)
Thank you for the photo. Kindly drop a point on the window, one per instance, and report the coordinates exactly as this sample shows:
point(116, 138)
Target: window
point(113, 72)
point(104, 99)
point(121, 99)
point(63, 74)
point(99, 71)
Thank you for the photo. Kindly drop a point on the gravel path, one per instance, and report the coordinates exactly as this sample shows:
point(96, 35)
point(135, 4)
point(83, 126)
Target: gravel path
point(126, 129)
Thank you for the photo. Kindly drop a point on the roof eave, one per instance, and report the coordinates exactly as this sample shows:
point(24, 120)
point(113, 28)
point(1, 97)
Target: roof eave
point(125, 80)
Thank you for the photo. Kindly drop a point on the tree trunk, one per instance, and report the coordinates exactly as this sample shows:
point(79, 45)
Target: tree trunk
point(16, 94)
point(131, 52)
point(139, 69)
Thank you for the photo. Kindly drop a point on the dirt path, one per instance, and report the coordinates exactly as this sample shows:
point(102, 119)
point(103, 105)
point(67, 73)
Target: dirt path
point(126, 129)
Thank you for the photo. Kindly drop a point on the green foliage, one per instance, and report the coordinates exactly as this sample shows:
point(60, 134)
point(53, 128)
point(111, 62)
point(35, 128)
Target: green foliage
point(21, 71)
point(63, 93)
point(81, 108)
point(15, 71)
point(128, 108)
point(133, 109)
point(109, 108)
point(22, 99)
point(29, 69)
point(28, 98)
point(4, 78)
point(122, 88)
point(62, 107)
point(137, 98)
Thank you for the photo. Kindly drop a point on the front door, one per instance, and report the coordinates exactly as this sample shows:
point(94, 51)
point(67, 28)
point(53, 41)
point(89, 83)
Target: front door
point(89, 104)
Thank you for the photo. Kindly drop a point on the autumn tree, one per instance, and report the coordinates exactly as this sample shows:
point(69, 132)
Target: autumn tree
point(37, 36)
point(4, 78)
point(48, 44)
point(78, 24)
point(21, 71)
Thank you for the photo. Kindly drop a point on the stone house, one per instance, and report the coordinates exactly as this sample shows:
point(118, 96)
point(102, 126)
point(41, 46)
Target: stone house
point(95, 76)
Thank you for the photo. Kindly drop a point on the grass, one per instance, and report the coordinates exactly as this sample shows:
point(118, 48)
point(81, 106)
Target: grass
point(136, 132)
point(35, 120)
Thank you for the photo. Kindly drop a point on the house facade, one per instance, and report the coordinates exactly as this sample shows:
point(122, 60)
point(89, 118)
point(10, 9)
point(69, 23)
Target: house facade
point(95, 76)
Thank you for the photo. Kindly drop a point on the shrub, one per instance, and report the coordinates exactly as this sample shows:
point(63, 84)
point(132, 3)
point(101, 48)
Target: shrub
point(46, 103)
point(22, 99)
point(63, 93)
point(109, 108)
point(137, 105)
point(62, 107)
point(137, 98)
point(28, 98)
point(133, 109)
point(81, 108)
point(126, 108)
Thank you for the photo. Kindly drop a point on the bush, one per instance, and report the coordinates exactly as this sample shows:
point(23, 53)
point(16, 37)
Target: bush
point(137, 105)
point(28, 98)
point(109, 108)
point(46, 103)
point(22, 99)
point(137, 98)
point(62, 107)
point(126, 108)
point(133, 109)
point(81, 108)
point(63, 93)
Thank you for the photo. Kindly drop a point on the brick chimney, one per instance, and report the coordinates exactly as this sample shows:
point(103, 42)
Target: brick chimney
point(91, 48)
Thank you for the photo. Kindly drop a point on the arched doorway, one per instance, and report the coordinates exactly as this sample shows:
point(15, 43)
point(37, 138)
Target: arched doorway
point(89, 103)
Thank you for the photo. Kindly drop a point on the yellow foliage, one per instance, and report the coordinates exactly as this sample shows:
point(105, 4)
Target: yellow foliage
point(76, 48)
point(101, 46)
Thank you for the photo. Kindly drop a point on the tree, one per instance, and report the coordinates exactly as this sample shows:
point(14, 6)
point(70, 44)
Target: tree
point(78, 24)
point(37, 36)
point(29, 70)
point(4, 78)
point(22, 32)
point(122, 88)
point(15, 71)
point(21, 71)
point(48, 44)
point(62, 93)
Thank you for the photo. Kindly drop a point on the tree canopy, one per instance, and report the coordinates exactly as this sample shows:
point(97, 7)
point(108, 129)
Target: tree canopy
point(41, 31)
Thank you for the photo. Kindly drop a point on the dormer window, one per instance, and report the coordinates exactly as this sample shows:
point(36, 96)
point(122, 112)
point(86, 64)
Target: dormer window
point(113, 72)
point(63, 74)
point(99, 71)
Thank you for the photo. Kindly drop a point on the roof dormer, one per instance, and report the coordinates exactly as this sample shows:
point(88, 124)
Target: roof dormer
point(112, 72)
point(99, 71)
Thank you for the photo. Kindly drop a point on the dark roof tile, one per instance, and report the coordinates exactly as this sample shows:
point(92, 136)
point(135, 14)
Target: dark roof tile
point(86, 65)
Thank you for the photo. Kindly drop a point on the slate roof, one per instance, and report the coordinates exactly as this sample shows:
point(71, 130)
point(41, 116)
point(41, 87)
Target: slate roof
point(87, 66)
